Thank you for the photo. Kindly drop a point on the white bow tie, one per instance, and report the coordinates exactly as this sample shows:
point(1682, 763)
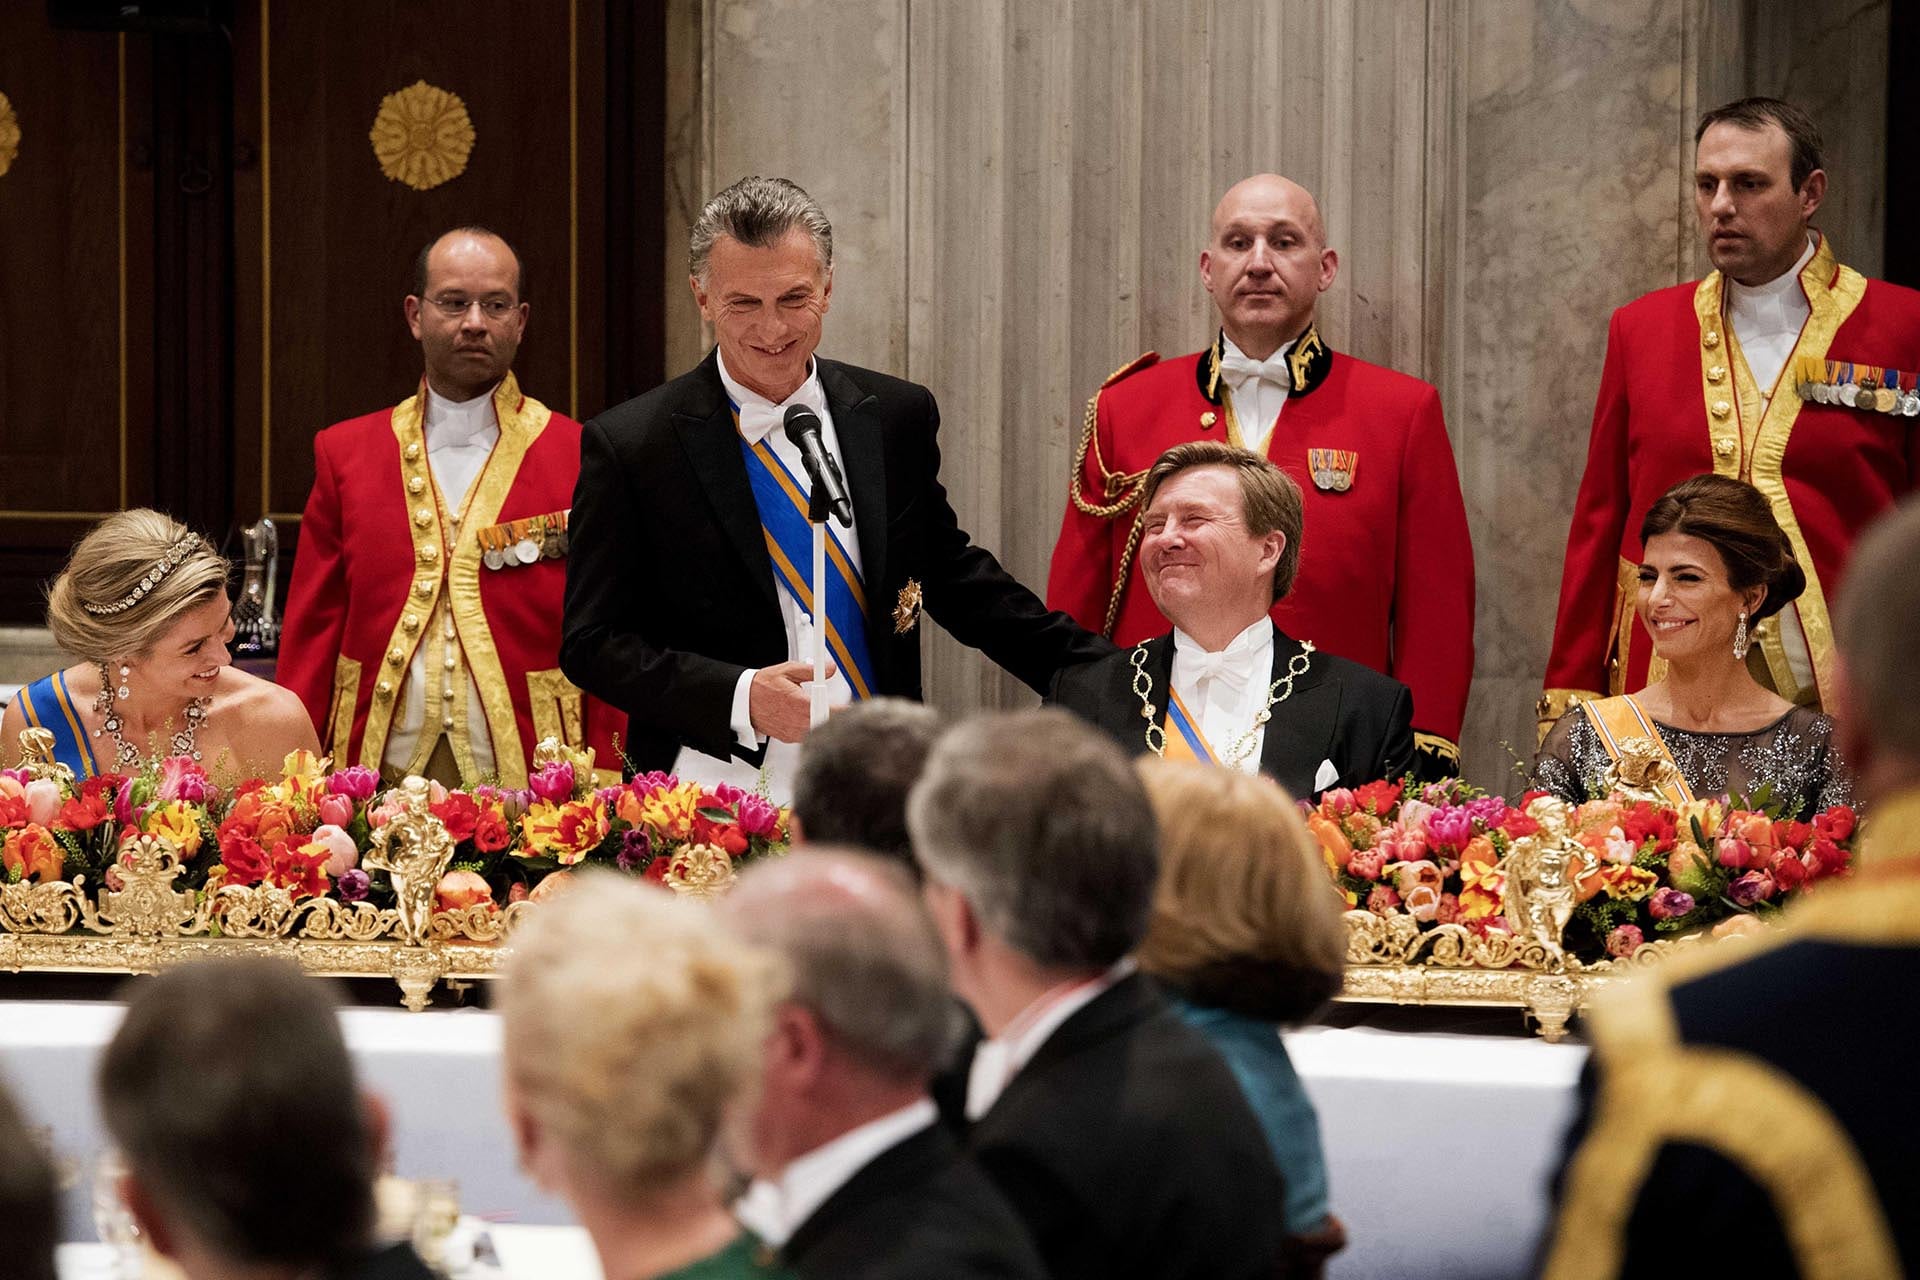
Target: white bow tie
point(1229, 666)
point(759, 419)
point(1237, 365)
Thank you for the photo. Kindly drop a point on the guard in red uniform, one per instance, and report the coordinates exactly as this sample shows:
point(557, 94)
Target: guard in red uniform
point(423, 622)
point(1782, 368)
point(1386, 569)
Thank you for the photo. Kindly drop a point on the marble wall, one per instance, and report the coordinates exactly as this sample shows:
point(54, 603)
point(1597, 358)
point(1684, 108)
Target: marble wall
point(1020, 192)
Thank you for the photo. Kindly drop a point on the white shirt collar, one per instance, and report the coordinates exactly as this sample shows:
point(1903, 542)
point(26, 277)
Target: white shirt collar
point(1257, 639)
point(759, 415)
point(774, 1210)
point(1229, 345)
point(997, 1061)
point(451, 424)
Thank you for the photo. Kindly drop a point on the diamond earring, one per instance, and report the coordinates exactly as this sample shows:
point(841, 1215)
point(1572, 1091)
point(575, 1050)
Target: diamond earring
point(1740, 640)
point(124, 692)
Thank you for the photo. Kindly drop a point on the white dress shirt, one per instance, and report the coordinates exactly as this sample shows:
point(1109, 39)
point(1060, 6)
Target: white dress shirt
point(460, 438)
point(1767, 318)
point(762, 419)
point(1224, 691)
point(774, 1210)
point(997, 1061)
point(1257, 400)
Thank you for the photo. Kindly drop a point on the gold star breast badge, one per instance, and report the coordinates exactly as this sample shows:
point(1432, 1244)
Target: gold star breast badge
point(906, 609)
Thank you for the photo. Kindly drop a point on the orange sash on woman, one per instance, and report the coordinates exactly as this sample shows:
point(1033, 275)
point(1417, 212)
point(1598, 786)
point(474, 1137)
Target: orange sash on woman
point(1633, 743)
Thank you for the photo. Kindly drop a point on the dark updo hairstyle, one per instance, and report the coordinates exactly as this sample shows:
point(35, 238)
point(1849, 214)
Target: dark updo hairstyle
point(1737, 521)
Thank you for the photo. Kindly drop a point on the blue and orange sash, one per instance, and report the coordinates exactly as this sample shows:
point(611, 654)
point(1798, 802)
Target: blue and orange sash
point(48, 705)
point(781, 497)
point(1184, 741)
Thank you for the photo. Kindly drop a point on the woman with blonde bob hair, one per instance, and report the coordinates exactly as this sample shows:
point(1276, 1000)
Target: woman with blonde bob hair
point(1246, 933)
point(633, 1032)
point(143, 604)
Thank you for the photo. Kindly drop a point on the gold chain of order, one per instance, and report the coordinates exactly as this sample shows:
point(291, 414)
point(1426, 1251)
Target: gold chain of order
point(1277, 692)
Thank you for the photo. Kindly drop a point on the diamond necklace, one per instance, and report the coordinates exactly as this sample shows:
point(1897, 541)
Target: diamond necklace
point(126, 754)
point(1277, 692)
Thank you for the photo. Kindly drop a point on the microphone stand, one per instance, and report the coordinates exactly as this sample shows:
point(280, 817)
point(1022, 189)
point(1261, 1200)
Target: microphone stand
point(817, 514)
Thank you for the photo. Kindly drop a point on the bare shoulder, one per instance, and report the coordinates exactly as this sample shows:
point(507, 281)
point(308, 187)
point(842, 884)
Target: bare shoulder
point(263, 706)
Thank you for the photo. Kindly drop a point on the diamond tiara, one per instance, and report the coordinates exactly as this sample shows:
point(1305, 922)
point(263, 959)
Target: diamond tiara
point(151, 579)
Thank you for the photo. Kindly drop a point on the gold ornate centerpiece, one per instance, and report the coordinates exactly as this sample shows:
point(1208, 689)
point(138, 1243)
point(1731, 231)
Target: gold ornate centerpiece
point(422, 136)
point(130, 873)
point(1457, 897)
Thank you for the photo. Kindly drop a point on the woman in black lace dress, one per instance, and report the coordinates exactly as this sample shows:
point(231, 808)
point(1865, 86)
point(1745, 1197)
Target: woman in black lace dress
point(1715, 564)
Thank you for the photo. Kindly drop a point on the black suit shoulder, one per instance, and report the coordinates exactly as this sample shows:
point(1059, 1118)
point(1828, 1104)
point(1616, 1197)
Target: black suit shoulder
point(920, 1209)
point(1129, 1149)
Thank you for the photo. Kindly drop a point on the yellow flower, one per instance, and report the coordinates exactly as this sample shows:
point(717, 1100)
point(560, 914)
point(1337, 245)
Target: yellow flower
point(1710, 814)
point(670, 811)
point(300, 775)
point(176, 822)
point(1483, 890)
point(564, 832)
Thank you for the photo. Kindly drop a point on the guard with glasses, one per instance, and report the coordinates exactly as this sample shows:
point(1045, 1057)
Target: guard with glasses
point(422, 625)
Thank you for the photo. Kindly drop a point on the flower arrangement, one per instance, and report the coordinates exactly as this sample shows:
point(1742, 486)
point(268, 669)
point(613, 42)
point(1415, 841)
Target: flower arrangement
point(1437, 854)
point(307, 831)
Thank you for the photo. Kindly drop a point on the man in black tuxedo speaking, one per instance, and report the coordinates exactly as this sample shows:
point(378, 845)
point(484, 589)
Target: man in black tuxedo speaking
point(1221, 544)
point(689, 599)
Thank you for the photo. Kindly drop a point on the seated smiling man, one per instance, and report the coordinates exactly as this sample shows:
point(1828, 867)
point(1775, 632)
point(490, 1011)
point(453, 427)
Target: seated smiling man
point(1227, 686)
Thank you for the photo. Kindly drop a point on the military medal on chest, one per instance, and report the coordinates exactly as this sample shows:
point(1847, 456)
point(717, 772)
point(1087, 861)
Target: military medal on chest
point(1333, 469)
point(1867, 388)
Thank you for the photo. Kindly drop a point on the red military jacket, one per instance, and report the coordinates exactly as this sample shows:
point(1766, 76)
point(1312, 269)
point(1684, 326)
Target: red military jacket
point(1386, 563)
point(374, 571)
point(1677, 400)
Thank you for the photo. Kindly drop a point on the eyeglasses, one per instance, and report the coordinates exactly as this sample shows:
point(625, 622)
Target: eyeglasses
point(455, 307)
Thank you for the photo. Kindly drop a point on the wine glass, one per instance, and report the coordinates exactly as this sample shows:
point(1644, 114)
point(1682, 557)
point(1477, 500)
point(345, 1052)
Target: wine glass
point(112, 1220)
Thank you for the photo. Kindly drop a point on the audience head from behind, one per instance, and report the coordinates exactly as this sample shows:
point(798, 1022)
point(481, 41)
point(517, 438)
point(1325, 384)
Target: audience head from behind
point(29, 1199)
point(1039, 850)
point(633, 1025)
point(1875, 701)
point(1244, 918)
point(867, 1021)
point(855, 772)
point(248, 1146)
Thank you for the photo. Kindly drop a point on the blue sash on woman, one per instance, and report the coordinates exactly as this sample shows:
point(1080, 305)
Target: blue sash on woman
point(48, 705)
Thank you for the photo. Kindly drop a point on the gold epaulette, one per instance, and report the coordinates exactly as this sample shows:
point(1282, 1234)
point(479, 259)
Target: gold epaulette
point(1135, 365)
point(1443, 752)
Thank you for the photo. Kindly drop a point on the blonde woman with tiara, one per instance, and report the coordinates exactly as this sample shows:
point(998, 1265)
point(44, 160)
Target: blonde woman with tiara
point(143, 604)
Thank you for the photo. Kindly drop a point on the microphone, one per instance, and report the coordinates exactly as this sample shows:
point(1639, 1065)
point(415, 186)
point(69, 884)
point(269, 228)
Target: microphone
point(823, 473)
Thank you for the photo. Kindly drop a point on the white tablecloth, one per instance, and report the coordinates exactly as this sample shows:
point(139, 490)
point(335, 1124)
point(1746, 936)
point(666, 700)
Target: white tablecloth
point(1439, 1146)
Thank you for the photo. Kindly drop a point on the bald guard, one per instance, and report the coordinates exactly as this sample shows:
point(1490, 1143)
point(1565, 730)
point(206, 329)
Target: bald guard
point(1386, 576)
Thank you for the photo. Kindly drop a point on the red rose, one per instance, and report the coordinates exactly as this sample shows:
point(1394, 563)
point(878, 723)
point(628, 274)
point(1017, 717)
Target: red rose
point(459, 814)
point(1518, 825)
point(1836, 824)
point(84, 812)
point(490, 833)
point(245, 861)
point(657, 870)
point(727, 835)
point(1788, 871)
point(1791, 835)
point(13, 810)
point(1828, 858)
point(1378, 797)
